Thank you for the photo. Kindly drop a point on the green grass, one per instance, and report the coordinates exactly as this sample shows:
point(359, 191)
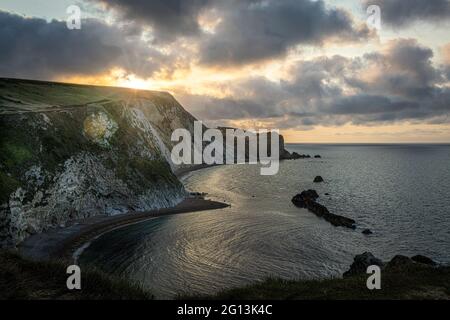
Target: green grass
point(24, 279)
point(419, 282)
point(16, 153)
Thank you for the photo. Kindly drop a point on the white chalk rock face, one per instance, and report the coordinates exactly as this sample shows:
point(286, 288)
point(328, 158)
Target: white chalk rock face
point(70, 152)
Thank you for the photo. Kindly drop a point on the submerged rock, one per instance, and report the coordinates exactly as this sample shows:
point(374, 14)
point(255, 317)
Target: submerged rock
point(367, 231)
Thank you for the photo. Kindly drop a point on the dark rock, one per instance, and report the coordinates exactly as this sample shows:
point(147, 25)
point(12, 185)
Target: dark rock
point(360, 264)
point(301, 199)
point(307, 199)
point(318, 179)
point(367, 231)
point(294, 156)
point(327, 194)
point(317, 156)
point(424, 260)
point(399, 262)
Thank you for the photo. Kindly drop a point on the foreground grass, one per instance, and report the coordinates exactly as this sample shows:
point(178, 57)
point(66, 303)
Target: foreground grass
point(417, 282)
point(24, 279)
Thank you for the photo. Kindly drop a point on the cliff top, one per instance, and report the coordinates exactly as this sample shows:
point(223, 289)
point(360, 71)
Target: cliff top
point(20, 95)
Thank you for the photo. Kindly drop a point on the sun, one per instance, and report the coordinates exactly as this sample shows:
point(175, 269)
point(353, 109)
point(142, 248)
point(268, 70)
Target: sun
point(134, 83)
point(121, 78)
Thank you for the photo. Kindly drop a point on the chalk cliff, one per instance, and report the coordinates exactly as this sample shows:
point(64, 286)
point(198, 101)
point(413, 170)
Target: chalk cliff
point(74, 151)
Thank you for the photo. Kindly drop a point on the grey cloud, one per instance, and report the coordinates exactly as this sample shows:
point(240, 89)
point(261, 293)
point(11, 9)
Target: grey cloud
point(168, 18)
point(250, 30)
point(336, 90)
point(210, 108)
point(399, 13)
point(259, 30)
point(35, 48)
point(405, 70)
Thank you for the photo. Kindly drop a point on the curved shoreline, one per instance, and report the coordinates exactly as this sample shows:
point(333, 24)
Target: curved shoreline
point(62, 243)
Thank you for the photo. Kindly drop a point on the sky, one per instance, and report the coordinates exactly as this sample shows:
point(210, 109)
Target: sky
point(317, 70)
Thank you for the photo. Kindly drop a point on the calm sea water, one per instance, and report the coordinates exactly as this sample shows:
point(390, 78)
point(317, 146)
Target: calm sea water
point(400, 192)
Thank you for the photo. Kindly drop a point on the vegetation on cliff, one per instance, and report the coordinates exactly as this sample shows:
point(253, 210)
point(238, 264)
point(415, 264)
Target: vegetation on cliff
point(72, 151)
point(24, 279)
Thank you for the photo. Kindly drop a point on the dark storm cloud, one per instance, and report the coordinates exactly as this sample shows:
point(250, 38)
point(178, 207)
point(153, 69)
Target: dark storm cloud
point(248, 31)
point(396, 84)
point(168, 18)
point(400, 13)
point(34, 48)
point(211, 108)
point(256, 30)
point(405, 70)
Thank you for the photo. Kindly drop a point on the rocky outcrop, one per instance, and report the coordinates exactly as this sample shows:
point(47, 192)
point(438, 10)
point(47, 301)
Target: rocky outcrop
point(361, 262)
point(398, 263)
point(307, 199)
point(282, 152)
point(294, 156)
point(423, 259)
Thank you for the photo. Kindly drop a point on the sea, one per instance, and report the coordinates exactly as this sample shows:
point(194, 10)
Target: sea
point(401, 192)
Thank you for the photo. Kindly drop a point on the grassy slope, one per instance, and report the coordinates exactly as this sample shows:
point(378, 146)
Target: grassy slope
point(24, 279)
point(418, 282)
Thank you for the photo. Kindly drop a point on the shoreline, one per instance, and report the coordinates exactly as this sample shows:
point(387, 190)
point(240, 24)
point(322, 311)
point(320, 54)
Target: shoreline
point(63, 243)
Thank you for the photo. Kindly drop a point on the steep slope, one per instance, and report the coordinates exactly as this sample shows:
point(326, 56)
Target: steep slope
point(72, 151)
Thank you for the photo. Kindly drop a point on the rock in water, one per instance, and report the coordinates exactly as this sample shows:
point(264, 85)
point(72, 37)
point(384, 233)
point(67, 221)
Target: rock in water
point(367, 231)
point(360, 264)
point(317, 156)
point(424, 260)
point(318, 179)
point(307, 199)
point(301, 199)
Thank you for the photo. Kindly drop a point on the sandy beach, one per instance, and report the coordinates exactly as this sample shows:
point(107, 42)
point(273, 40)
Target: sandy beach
point(61, 243)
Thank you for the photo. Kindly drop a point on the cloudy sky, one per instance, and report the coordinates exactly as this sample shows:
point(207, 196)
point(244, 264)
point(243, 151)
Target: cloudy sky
point(314, 69)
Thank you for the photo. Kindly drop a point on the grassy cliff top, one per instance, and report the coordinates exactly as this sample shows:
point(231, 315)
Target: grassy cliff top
point(17, 95)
